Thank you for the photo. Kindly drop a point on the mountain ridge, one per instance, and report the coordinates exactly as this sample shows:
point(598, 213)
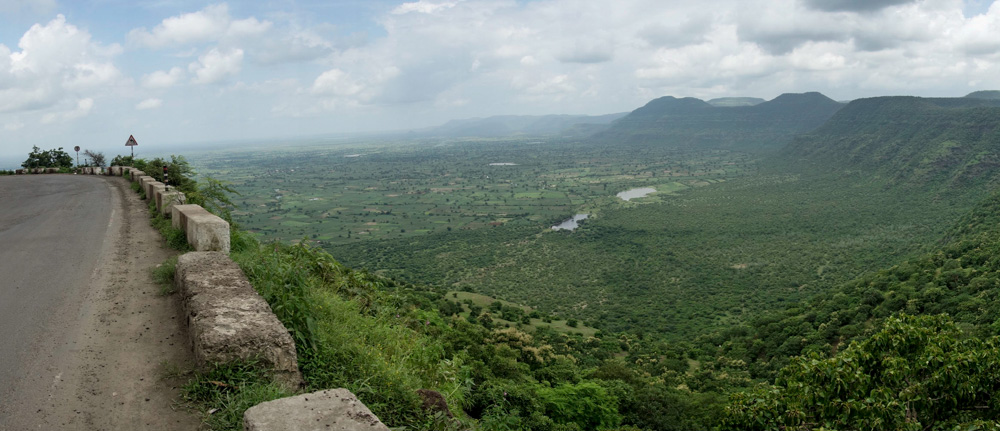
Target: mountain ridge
point(693, 122)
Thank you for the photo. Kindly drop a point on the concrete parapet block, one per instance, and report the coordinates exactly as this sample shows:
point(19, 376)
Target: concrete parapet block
point(142, 183)
point(38, 170)
point(20, 171)
point(332, 409)
point(151, 187)
point(205, 231)
point(165, 201)
point(228, 321)
point(135, 174)
point(51, 170)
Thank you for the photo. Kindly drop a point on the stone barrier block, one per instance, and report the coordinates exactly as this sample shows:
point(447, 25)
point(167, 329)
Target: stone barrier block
point(332, 409)
point(205, 231)
point(228, 320)
point(38, 170)
point(142, 183)
point(135, 174)
point(165, 201)
point(20, 171)
point(51, 170)
point(151, 187)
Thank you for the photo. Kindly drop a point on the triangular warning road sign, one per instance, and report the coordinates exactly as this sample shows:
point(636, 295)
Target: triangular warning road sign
point(131, 141)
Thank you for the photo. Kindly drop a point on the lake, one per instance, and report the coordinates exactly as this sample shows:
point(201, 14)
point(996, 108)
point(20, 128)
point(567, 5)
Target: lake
point(571, 224)
point(636, 193)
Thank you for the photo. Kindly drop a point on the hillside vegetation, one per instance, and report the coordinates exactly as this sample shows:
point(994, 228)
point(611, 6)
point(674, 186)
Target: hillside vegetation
point(943, 144)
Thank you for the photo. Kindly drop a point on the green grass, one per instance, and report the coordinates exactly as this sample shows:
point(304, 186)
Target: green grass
point(225, 391)
point(163, 274)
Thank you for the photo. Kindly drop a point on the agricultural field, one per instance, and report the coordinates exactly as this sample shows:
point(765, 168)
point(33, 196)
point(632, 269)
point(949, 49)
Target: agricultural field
point(724, 236)
point(340, 194)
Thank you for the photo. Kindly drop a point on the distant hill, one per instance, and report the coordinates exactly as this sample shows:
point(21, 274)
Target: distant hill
point(730, 102)
point(523, 125)
point(952, 142)
point(694, 122)
point(986, 94)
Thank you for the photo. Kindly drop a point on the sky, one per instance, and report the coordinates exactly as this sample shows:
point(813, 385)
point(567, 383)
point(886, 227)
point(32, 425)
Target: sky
point(178, 72)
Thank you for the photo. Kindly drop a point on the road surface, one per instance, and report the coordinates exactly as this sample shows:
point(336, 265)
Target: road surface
point(86, 339)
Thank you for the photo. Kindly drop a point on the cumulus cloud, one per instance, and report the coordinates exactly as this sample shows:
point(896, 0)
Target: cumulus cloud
point(163, 79)
point(422, 6)
point(212, 23)
point(57, 61)
point(215, 66)
point(149, 104)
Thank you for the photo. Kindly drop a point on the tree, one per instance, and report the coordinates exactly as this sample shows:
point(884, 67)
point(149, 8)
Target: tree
point(121, 160)
point(916, 373)
point(48, 159)
point(96, 158)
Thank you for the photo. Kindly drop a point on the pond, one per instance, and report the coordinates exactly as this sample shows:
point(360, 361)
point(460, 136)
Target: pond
point(572, 223)
point(503, 164)
point(636, 193)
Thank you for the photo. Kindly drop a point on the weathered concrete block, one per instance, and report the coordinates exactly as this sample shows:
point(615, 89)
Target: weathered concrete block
point(51, 170)
point(205, 231)
point(20, 171)
point(332, 409)
point(165, 201)
point(151, 187)
point(228, 320)
point(38, 170)
point(142, 183)
point(135, 174)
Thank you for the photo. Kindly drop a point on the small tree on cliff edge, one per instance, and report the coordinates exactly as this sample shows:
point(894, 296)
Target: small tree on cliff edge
point(96, 158)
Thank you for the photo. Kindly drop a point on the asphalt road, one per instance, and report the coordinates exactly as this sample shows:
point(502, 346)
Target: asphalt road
point(51, 229)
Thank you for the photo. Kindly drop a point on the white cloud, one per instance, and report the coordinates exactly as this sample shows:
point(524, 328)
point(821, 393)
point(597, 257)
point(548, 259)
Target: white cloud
point(422, 6)
point(149, 104)
point(215, 66)
point(336, 82)
point(57, 62)
point(210, 24)
point(163, 79)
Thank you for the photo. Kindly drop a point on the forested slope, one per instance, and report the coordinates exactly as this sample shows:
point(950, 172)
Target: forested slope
point(942, 144)
point(938, 370)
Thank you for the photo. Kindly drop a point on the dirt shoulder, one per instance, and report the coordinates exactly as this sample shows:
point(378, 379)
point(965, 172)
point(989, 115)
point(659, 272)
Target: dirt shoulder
point(107, 357)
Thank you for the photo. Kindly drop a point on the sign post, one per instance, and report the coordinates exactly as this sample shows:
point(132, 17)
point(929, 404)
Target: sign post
point(77, 148)
point(131, 143)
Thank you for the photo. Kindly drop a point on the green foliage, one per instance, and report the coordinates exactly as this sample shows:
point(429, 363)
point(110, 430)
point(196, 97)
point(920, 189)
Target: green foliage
point(213, 195)
point(121, 160)
point(163, 274)
point(586, 404)
point(225, 391)
point(915, 373)
point(56, 158)
point(176, 238)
